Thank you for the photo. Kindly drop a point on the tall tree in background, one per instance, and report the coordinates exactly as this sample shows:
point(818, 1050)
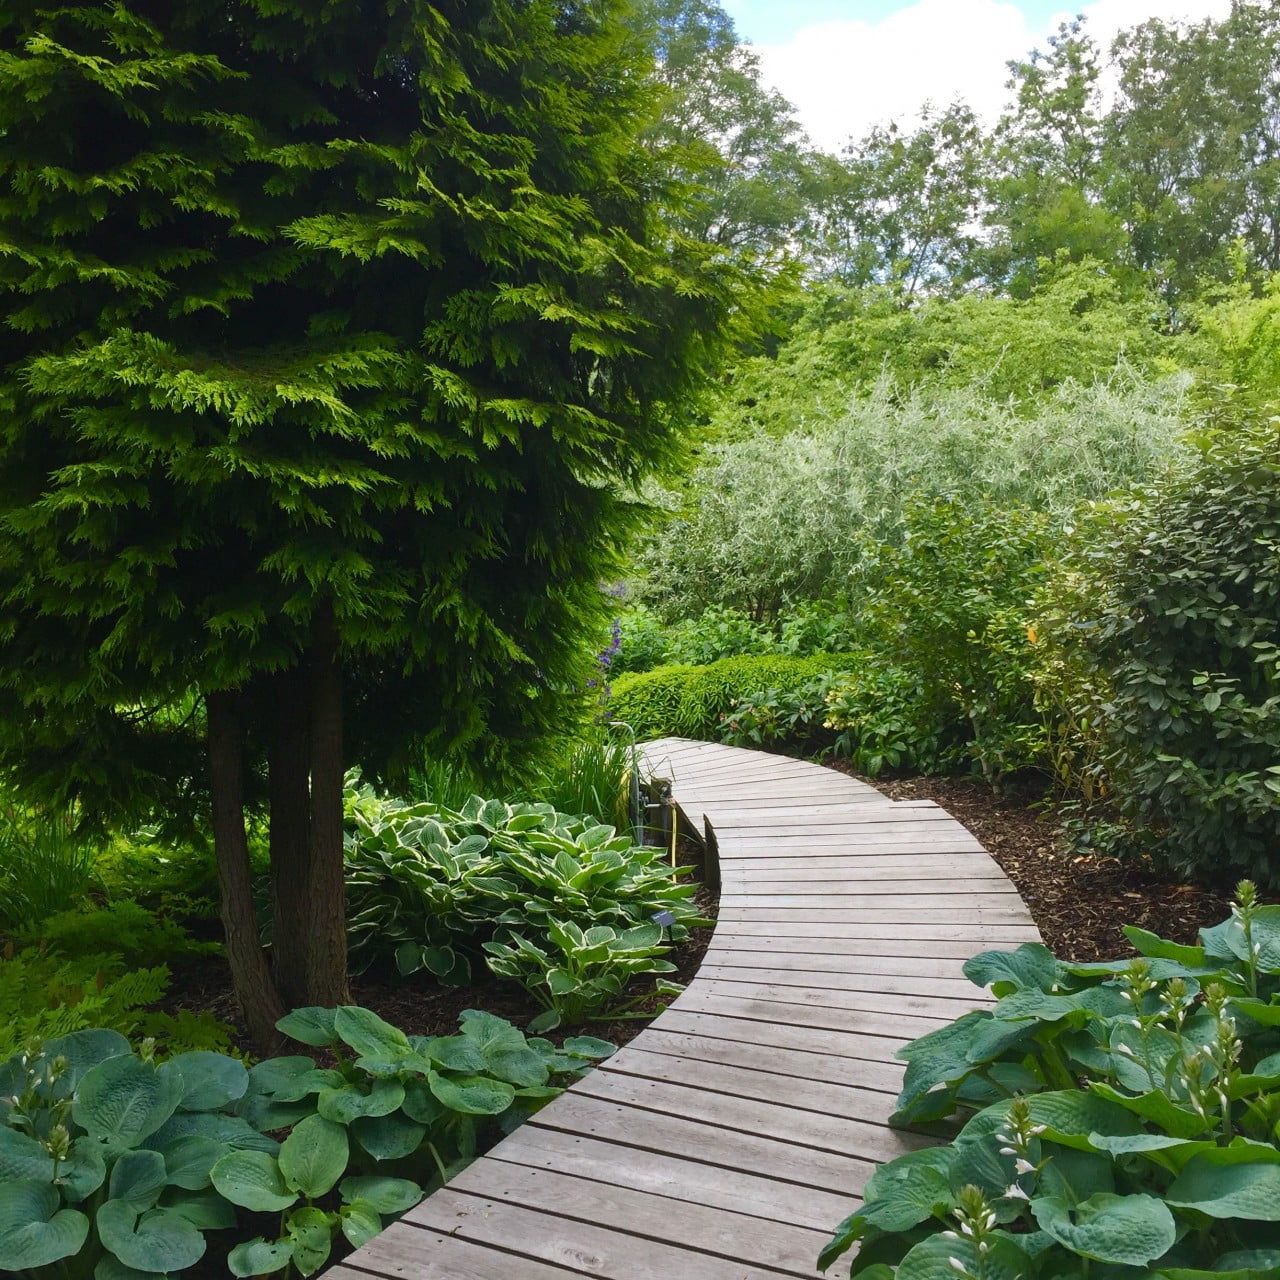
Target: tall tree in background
point(335, 337)
point(1193, 146)
point(734, 140)
point(902, 209)
point(1047, 178)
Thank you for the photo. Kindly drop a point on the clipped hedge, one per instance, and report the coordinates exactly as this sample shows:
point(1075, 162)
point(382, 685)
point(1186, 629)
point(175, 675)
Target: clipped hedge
point(688, 701)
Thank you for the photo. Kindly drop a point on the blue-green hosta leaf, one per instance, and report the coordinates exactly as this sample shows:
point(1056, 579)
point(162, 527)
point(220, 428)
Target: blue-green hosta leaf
point(83, 1050)
point(420, 1104)
point(187, 1161)
point(21, 1156)
point(360, 1222)
point(34, 1230)
point(472, 1095)
point(159, 1240)
point(908, 1194)
point(939, 1056)
point(1157, 1107)
point(935, 1259)
point(123, 1100)
point(1262, 1012)
point(1131, 1230)
point(1071, 1115)
point(453, 1053)
point(385, 1195)
point(109, 1267)
point(310, 1231)
point(83, 1172)
point(381, 1048)
point(311, 1025)
point(1156, 948)
point(210, 1080)
point(314, 1156)
point(273, 1074)
point(345, 1104)
point(138, 1177)
point(589, 1047)
point(205, 1210)
point(1216, 1185)
point(259, 1257)
point(489, 1033)
point(235, 1131)
point(388, 1137)
point(252, 1179)
point(1031, 965)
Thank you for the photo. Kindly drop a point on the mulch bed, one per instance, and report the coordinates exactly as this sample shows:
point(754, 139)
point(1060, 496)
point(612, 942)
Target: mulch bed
point(1079, 902)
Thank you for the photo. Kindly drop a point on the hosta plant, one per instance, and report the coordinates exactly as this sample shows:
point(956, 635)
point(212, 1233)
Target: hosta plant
point(428, 886)
point(1125, 1121)
point(583, 974)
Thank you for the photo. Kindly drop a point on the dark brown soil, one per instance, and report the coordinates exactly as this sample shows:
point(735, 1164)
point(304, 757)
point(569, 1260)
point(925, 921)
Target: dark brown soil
point(1079, 902)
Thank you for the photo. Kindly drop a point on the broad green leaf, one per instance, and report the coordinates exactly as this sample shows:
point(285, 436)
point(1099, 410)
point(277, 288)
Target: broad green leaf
point(314, 1156)
point(472, 1095)
point(159, 1240)
point(1157, 948)
point(388, 1137)
point(252, 1179)
point(1031, 965)
point(491, 1034)
point(210, 1080)
point(123, 1100)
point(1157, 1107)
point(21, 1156)
point(310, 1232)
point(381, 1048)
point(589, 1047)
point(259, 1258)
point(138, 1177)
point(360, 1222)
point(1262, 1012)
point(455, 1053)
point(524, 1067)
point(110, 1267)
point(1071, 1115)
point(34, 1230)
point(235, 1131)
point(188, 1161)
point(272, 1074)
point(311, 1025)
point(935, 1258)
point(83, 1172)
point(1132, 1230)
point(205, 1210)
point(345, 1104)
point(1220, 1188)
point(386, 1195)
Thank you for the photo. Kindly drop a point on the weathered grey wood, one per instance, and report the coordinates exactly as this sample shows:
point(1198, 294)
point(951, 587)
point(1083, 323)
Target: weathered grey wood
point(728, 1138)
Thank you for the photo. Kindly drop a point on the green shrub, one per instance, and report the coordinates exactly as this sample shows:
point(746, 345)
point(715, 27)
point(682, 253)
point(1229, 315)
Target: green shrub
point(643, 641)
point(113, 1166)
point(123, 929)
point(589, 777)
point(951, 606)
point(718, 633)
point(690, 702)
point(1167, 616)
point(1126, 1120)
point(45, 866)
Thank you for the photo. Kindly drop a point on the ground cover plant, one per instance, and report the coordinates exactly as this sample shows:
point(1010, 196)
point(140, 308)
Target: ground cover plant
point(114, 1165)
point(1122, 1119)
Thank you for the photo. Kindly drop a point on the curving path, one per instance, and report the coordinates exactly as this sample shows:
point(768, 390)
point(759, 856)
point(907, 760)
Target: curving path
point(727, 1140)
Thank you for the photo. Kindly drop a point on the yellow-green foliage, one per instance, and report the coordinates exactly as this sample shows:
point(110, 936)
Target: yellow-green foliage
point(43, 995)
point(688, 701)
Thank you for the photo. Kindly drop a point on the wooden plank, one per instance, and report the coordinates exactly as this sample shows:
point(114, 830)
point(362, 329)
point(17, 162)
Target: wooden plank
point(900, 941)
point(954, 913)
point(885, 1078)
point(867, 868)
point(807, 1129)
point(584, 1246)
point(839, 894)
point(923, 984)
point(830, 815)
point(939, 834)
point(724, 1234)
point(874, 1061)
point(758, 1153)
point(896, 1029)
point(873, 967)
point(407, 1252)
point(850, 1101)
point(681, 1177)
point(895, 1004)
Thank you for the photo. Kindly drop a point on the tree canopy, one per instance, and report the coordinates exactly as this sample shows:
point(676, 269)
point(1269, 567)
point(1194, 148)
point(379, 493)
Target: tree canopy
point(337, 337)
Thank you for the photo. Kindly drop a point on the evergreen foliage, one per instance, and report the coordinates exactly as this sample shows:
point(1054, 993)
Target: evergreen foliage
point(335, 337)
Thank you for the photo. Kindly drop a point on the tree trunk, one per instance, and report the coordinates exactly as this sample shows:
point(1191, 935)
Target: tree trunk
point(250, 972)
point(326, 898)
point(288, 704)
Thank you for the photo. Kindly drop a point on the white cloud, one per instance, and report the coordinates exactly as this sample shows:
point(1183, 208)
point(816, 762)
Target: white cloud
point(846, 76)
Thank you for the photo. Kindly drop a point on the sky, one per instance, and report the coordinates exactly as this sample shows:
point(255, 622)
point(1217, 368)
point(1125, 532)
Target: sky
point(849, 64)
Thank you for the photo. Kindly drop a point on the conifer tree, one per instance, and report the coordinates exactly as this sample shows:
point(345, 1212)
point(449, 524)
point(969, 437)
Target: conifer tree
point(336, 335)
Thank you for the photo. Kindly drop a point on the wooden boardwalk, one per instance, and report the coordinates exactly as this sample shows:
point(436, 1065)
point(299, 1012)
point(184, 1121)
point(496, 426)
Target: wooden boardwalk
point(727, 1140)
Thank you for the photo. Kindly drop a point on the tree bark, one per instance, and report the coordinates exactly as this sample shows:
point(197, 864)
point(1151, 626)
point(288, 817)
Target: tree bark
point(326, 900)
point(250, 972)
point(288, 703)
